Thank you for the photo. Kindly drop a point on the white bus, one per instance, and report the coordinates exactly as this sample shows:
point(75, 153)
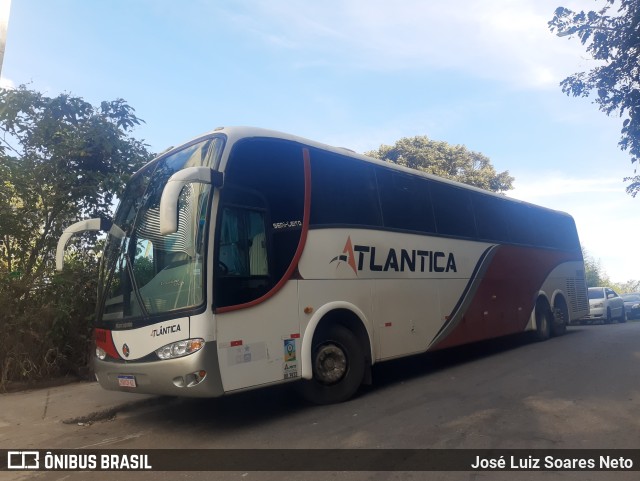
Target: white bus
point(247, 258)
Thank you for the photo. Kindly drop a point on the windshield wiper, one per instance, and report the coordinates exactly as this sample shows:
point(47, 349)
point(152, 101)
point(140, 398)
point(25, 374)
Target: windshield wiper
point(134, 285)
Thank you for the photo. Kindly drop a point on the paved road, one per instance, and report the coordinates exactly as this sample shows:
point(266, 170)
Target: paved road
point(581, 390)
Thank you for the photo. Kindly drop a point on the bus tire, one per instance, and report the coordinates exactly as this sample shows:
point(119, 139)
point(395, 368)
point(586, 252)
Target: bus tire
point(560, 317)
point(338, 365)
point(544, 319)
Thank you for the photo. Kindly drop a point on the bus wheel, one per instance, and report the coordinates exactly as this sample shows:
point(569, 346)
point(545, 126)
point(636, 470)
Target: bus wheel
point(560, 316)
point(338, 367)
point(544, 319)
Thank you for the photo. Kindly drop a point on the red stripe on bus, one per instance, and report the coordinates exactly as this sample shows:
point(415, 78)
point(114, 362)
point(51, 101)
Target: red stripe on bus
point(104, 340)
point(515, 276)
point(301, 243)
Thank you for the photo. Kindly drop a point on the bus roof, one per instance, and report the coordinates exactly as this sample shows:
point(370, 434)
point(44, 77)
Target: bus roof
point(237, 133)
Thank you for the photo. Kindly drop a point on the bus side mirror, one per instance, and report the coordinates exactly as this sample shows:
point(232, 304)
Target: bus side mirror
point(84, 226)
point(171, 193)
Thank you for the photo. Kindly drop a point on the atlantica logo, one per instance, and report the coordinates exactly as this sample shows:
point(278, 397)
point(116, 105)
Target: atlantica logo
point(162, 330)
point(347, 256)
point(406, 260)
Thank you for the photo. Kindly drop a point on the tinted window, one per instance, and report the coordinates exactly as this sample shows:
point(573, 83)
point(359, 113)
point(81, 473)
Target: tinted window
point(490, 217)
point(523, 228)
point(453, 211)
point(262, 207)
point(557, 230)
point(405, 201)
point(343, 191)
point(243, 246)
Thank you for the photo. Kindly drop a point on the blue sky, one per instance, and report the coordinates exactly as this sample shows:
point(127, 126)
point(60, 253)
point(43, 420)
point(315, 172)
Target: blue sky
point(353, 73)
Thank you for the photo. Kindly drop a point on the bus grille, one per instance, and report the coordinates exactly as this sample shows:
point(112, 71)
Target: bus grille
point(577, 293)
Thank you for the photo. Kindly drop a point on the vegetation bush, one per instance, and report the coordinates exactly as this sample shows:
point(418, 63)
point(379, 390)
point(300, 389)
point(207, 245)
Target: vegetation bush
point(46, 330)
point(61, 160)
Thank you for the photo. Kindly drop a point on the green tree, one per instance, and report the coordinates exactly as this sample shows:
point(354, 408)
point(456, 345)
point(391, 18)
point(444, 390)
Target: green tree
point(612, 38)
point(454, 162)
point(629, 286)
point(595, 276)
point(61, 159)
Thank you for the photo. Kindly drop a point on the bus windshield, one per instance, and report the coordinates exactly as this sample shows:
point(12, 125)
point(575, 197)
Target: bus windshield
point(144, 274)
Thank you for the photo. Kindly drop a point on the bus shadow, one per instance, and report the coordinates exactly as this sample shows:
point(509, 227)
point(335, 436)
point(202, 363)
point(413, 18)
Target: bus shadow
point(231, 412)
point(250, 409)
point(397, 371)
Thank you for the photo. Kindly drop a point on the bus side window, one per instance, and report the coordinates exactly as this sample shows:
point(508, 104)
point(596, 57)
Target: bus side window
point(343, 191)
point(258, 262)
point(243, 263)
point(405, 201)
point(266, 176)
point(490, 218)
point(522, 224)
point(230, 255)
point(243, 244)
point(453, 210)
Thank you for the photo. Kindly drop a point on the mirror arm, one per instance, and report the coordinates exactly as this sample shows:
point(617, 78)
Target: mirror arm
point(171, 193)
point(82, 226)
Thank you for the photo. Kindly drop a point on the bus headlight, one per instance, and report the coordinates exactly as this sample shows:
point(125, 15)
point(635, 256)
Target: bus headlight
point(180, 348)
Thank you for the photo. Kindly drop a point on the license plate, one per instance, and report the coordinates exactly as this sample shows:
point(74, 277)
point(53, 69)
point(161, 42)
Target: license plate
point(127, 381)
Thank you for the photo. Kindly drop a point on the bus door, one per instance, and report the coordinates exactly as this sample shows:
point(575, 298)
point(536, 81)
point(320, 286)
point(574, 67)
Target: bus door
point(257, 243)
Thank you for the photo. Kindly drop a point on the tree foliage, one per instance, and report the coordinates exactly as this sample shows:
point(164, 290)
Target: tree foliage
point(628, 287)
point(596, 276)
point(454, 162)
point(61, 159)
point(613, 38)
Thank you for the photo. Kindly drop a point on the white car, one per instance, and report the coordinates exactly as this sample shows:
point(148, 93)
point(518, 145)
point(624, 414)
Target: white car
point(605, 305)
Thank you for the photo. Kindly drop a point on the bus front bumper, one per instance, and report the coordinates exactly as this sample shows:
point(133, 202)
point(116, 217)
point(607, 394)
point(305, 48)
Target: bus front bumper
point(195, 375)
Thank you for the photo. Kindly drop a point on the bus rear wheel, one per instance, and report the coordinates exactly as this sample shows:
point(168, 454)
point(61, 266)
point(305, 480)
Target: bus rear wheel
point(338, 366)
point(560, 317)
point(544, 320)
